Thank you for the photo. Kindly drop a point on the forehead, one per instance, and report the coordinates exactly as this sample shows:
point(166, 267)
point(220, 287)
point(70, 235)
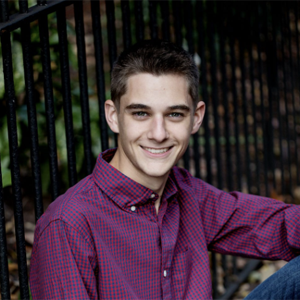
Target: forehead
point(156, 91)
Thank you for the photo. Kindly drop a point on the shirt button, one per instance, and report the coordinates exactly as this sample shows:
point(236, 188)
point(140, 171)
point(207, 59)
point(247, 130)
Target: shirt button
point(133, 208)
point(165, 273)
point(152, 196)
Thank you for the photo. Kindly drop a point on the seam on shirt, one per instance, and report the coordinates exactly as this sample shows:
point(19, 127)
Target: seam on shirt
point(68, 225)
point(75, 194)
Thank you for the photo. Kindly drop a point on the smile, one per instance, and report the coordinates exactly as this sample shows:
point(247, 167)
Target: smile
point(157, 151)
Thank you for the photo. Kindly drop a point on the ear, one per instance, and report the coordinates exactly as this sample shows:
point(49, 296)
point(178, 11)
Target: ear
point(111, 115)
point(198, 116)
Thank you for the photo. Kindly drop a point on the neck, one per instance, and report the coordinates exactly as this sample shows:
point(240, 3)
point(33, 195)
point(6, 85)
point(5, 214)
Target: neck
point(156, 184)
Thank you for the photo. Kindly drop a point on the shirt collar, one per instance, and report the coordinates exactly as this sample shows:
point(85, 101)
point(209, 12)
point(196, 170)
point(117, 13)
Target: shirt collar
point(122, 189)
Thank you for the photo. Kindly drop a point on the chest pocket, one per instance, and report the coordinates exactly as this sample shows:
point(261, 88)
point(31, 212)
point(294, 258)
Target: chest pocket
point(181, 269)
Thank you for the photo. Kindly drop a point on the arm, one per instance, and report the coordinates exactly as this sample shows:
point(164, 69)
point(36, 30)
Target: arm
point(63, 264)
point(252, 226)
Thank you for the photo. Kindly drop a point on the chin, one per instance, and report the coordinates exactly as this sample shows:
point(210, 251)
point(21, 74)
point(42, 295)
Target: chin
point(157, 173)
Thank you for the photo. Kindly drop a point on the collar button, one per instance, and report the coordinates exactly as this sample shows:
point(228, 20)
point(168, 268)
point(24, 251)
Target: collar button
point(152, 196)
point(133, 208)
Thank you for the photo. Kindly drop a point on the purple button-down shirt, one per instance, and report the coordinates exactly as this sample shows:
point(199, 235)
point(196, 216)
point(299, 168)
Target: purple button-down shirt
point(103, 238)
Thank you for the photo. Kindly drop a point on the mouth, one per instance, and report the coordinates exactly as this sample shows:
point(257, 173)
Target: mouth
point(157, 151)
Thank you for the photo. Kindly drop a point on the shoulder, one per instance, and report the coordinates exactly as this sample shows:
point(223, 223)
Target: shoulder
point(72, 208)
point(186, 181)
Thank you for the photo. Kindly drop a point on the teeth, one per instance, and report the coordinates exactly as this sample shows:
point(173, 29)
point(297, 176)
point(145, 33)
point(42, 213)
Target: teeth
point(155, 151)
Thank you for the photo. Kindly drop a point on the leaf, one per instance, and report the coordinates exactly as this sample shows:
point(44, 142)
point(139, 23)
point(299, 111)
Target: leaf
point(6, 177)
point(19, 78)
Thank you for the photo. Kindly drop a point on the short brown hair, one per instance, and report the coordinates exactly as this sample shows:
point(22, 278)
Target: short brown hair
point(155, 57)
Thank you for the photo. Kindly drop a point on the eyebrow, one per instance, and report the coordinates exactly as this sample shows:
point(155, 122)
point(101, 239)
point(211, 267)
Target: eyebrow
point(143, 106)
point(179, 107)
point(137, 106)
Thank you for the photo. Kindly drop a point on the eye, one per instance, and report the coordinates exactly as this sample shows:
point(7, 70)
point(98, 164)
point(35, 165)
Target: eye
point(176, 115)
point(140, 114)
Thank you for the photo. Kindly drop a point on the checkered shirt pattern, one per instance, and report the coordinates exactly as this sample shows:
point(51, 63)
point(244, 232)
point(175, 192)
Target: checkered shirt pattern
point(102, 239)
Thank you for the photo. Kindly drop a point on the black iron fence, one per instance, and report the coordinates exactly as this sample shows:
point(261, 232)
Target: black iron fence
point(57, 56)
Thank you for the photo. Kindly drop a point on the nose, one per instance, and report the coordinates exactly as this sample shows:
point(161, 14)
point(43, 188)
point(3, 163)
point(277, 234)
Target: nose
point(157, 130)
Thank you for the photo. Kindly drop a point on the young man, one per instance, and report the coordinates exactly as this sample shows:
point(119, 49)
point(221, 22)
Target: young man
point(138, 227)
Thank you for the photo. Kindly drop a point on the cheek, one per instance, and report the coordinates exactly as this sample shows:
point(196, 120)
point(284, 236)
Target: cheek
point(134, 128)
point(125, 126)
point(181, 132)
point(130, 131)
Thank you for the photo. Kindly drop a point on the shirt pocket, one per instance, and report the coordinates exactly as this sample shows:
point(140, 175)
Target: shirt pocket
point(181, 269)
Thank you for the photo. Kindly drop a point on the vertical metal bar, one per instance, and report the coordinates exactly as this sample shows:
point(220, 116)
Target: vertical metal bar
point(191, 50)
point(271, 88)
point(4, 275)
point(42, 2)
point(48, 90)
point(196, 154)
point(214, 275)
point(232, 27)
point(287, 178)
point(225, 270)
point(243, 99)
point(111, 31)
point(66, 93)
point(242, 52)
point(188, 18)
point(126, 23)
point(139, 20)
point(245, 112)
point(164, 6)
point(153, 19)
point(275, 92)
point(186, 158)
point(259, 29)
point(95, 8)
point(32, 120)
point(292, 91)
point(14, 163)
point(4, 11)
point(177, 16)
point(84, 97)
point(253, 107)
point(215, 98)
point(203, 85)
point(296, 8)
point(213, 57)
point(23, 4)
point(222, 35)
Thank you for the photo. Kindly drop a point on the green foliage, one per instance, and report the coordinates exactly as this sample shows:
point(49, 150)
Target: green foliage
point(21, 109)
point(6, 178)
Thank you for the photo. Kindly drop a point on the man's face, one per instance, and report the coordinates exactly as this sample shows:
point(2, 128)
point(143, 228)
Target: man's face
point(155, 120)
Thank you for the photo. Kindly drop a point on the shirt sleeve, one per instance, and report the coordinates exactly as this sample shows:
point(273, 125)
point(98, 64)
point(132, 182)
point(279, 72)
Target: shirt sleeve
point(63, 264)
point(251, 226)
